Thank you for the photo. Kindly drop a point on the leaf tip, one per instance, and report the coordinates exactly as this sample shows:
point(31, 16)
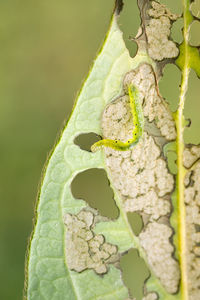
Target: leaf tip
point(118, 6)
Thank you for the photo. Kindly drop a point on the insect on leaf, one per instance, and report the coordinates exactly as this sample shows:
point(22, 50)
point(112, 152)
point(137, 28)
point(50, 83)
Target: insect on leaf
point(75, 252)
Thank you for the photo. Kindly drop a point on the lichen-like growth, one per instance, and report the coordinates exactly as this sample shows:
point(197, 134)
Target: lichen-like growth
point(155, 240)
point(84, 249)
point(154, 107)
point(158, 32)
point(192, 202)
point(74, 251)
point(150, 296)
point(141, 175)
point(191, 155)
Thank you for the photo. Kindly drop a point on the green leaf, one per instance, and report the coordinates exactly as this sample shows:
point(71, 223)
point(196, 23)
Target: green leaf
point(75, 252)
point(48, 273)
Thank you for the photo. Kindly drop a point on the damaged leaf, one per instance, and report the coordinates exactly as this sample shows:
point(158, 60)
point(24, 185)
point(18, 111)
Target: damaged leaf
point(75, 252)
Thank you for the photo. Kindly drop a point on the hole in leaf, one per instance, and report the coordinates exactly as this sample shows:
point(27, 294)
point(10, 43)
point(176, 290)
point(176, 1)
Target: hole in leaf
point(174, 6)
point(129, 22)
point(93, 186)
point(195, 8)
point(135, 221)
point(191, 110)
point(171, 162)
point(169, 85)
point(197, 227)
point(176, 31)
point(86, 140)
point(134, 273)
point(194, 37)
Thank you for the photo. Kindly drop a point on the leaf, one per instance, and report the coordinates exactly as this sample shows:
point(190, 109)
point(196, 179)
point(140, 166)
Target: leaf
point(75, 252)
point(48, 272)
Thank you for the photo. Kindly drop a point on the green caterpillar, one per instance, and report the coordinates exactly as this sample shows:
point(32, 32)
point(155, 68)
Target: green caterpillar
point(138, 122)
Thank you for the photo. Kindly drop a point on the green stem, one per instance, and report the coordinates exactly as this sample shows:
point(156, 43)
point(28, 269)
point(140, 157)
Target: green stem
point(182, 246)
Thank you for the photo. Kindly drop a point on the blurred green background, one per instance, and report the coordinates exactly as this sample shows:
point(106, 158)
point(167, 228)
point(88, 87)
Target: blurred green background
point(46, 50)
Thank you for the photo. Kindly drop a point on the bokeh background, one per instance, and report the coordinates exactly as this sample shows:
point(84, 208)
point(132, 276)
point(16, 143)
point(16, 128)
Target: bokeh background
point(46, 50)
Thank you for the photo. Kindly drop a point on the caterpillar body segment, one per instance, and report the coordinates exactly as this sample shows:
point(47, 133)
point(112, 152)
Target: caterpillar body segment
point(138, 123)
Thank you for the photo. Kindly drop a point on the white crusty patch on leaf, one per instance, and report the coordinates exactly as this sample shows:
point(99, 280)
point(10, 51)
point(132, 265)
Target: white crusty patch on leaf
point(150, 296)
point(191, 155)
point(155, 240)
point(158, 10)
point(154, 106)
point(192, 201)
point(158, 32)
point(142, 178)
point(141, 175)
point(85, 249)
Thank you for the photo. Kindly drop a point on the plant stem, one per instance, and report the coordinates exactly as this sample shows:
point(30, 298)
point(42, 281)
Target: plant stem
point(182, 234)
point(180, 187)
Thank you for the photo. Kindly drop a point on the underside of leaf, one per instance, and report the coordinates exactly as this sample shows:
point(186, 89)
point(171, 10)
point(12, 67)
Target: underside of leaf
point(75, 252)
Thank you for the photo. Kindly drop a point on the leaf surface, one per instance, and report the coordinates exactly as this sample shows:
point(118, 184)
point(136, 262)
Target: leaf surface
point(48, 272)
point(75, 252)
